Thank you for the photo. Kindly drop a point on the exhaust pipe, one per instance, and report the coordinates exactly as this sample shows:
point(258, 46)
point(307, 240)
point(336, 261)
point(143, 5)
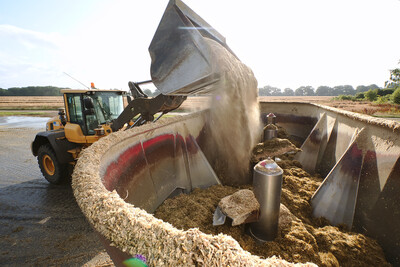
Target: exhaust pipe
point(267, 187)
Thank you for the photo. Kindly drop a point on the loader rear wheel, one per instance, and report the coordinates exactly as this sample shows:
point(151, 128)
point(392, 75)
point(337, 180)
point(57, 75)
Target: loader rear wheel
point(52, 170)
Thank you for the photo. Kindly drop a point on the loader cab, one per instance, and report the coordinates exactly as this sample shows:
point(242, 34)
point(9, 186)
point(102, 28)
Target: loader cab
point(87, 109)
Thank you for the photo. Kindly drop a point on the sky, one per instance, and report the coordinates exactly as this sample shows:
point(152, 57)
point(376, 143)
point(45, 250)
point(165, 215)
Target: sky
point(287, 43)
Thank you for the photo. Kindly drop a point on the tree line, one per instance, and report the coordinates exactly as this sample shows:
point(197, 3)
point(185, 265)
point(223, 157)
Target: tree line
point(31, 91)
point(320, 91)
point(46, 91)
point(391, 91)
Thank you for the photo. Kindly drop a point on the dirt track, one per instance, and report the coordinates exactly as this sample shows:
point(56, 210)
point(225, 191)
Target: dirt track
point(40, 224)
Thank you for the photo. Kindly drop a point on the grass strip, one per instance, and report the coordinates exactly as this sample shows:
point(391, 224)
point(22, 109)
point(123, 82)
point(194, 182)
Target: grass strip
point(21, 113)
point(386, 115)
point(31, 108)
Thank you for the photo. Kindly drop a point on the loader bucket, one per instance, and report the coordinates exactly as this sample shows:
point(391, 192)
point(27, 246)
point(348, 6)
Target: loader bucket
point(181, 60)
point(359, 156)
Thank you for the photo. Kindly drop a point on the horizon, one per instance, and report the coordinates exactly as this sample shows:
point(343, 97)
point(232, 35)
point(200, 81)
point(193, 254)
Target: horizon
point(87, 87)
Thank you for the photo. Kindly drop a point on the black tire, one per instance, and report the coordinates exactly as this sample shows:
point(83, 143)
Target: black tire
point(52, 170)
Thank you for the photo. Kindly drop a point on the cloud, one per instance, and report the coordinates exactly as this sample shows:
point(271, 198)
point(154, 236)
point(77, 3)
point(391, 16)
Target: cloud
point(28, 57)
point(16, 72)
point(30, 39)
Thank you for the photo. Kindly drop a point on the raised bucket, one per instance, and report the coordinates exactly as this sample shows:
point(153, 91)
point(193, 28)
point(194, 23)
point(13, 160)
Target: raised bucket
point(121, 179)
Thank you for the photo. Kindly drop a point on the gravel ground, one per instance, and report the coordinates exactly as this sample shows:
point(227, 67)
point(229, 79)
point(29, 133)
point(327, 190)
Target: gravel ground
point(40, 224)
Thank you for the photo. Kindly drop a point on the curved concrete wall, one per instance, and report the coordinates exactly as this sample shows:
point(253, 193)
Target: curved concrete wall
point(359, 156)
point(140, 168)
point(152, 165)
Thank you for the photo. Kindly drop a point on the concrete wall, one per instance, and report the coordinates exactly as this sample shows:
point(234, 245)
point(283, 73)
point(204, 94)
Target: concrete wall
point(358, 156)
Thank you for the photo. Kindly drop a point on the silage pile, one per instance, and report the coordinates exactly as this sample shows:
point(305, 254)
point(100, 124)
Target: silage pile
point(135, 231)
point(301, 238)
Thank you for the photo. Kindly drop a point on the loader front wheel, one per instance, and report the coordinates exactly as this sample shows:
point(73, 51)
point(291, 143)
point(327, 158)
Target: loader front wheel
point(52, 170)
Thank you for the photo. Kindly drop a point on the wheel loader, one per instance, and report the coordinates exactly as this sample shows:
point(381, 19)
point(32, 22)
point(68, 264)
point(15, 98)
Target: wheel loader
point(89, 115)
point(181, 64)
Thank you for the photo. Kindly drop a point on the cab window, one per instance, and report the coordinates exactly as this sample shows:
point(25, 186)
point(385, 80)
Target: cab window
point(75, 110)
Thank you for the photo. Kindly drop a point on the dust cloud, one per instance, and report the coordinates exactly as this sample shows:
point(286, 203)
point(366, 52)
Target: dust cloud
point(234, 122)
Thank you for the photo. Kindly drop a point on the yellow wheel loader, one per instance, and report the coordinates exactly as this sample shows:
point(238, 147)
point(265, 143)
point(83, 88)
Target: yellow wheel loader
point(89, 115)
point(182, 64)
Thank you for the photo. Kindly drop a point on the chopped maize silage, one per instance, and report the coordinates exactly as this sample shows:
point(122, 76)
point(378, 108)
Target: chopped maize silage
point(301, 238)
point(135, 231)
